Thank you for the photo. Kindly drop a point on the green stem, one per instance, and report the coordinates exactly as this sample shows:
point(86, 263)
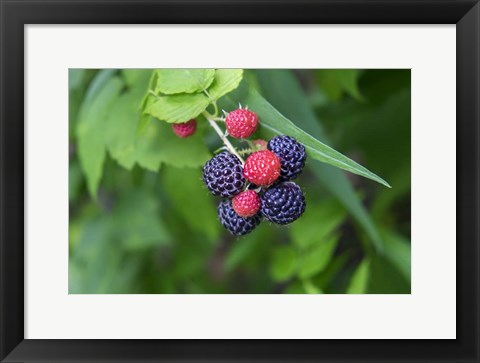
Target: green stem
point(222, 136)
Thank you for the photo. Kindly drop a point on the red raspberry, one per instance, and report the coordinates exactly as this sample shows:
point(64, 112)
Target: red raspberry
point(262, 168)
point(246, 204)
point(241, 123)
point(260, 144)
point(185, 129)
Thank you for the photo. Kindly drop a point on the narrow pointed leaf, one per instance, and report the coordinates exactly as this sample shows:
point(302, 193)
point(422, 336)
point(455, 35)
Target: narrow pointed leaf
point(276, 122)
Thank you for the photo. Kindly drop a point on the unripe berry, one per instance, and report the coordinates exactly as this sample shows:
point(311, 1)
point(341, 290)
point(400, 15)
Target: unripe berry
point(247, 203)
point(260, 144)
point(262, 168)
point(241, 123)
point(234, 223)
point(185, 129)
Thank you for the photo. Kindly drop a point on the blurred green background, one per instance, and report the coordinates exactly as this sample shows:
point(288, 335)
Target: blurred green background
point(151, 226)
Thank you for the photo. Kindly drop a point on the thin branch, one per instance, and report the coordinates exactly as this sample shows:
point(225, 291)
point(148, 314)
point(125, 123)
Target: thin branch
point(224, 139)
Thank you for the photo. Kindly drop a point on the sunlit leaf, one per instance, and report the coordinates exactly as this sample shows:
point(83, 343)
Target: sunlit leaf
point(91, 130)
point(283, 264)
point(176, 80)
point(359, 281)
point(316, 258)
point(276, 122)
point(178, 108)
point(335, 82)
point(226, 80)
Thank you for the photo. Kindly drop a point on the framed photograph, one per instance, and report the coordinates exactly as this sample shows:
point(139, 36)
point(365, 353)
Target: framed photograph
point(240, 181)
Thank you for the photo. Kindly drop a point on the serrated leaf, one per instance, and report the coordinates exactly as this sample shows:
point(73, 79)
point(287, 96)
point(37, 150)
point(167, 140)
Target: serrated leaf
point(192, 200)
point(283, 263)
point(359, 280)
point(173, 81)
point(178, 108)
point(91, 129)
point(279, 124)
point(226, 80)
point(315, 259)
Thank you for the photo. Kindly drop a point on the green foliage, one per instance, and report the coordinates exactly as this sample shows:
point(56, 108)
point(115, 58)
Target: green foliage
point(336, 82)
point(173, 101)
point(226, 80)
point(92, 128)
point(178, 108)
point(284, 262)
point(171, 81)
point(141, 220)
point(276, 122)
point(358, 283)
point(196, 206)
point(284, 92)
point(137, 223)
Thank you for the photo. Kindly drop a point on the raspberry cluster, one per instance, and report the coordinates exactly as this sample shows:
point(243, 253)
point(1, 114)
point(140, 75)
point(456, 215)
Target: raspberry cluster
point(261, 187)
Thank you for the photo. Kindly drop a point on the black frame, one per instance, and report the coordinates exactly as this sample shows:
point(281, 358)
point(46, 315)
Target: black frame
point(15, 14)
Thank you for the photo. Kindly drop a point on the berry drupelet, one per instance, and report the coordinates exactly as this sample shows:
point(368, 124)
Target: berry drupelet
point(262, 168)
point(292, 156)
point(283, 203)
point(235, 224)
point(185, 129)
point(241, 123)
point(247, 203)
point(223, 175)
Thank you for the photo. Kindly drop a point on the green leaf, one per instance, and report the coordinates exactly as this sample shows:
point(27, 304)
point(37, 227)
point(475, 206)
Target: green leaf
point(284, 92)
point(172, 81)
point(386, 278)
point(226, 80)
point(316, 258)
point(310, 287)
point(75, 179)
point(137, 221)
point(178, 108)
point(173, 150)
point(125, 144)
point(283, 263)
point(246, 246)
point(75, 77)
point(334, 82)
point(92, 126)
point(398, 251)
point(279, 124)
point(136, 77)
point(359, 281)
point(192, 200)
point(316, 225)
point(96, 85)
point(121, 126)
